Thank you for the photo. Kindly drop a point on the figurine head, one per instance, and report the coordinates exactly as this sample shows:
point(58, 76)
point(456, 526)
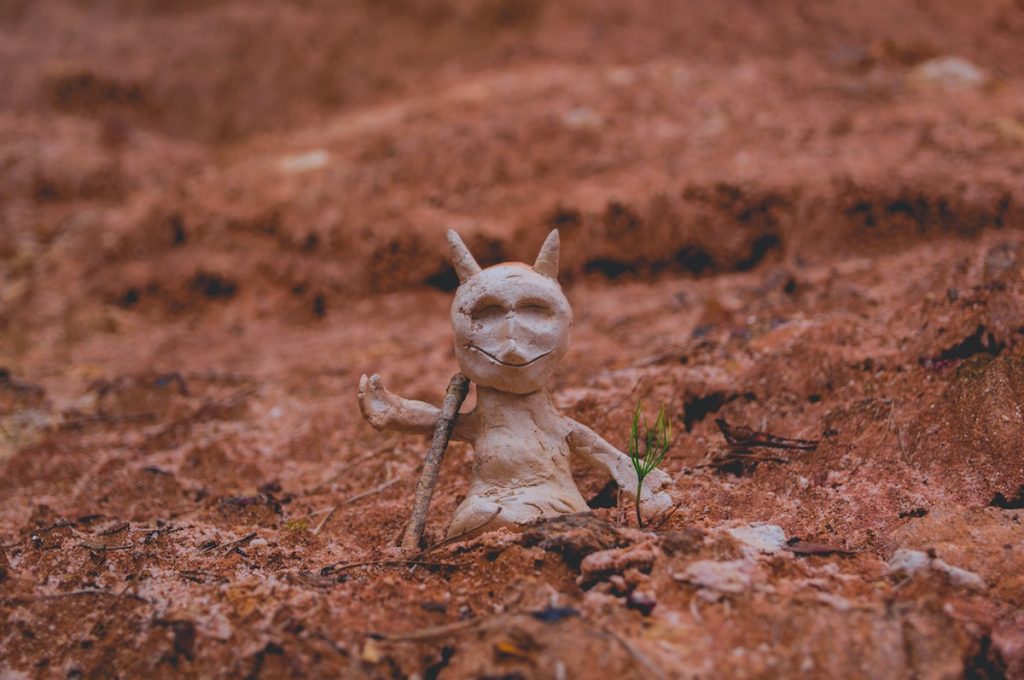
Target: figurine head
point(511, 321)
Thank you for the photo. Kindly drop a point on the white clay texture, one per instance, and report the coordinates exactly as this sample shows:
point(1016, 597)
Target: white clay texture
point(512, 324)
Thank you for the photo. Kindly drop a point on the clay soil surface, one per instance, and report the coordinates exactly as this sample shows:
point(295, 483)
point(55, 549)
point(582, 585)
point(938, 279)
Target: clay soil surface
point(803, 218)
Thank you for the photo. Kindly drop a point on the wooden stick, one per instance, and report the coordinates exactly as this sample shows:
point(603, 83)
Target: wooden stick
point(453, 398)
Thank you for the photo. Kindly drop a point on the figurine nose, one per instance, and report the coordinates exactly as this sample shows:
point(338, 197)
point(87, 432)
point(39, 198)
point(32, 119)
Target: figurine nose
point(509, 347)
point(508, 326)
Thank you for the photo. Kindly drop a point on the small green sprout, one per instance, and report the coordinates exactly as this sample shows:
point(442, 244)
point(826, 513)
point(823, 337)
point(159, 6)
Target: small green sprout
point(656, 443)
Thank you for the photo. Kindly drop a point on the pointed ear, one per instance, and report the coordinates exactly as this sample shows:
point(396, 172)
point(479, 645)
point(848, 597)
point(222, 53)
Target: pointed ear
point(463, 261)
point(547, 260)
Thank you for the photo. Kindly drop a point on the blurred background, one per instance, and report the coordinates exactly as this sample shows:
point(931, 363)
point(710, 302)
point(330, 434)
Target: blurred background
point(802, 216)
point(160, 156)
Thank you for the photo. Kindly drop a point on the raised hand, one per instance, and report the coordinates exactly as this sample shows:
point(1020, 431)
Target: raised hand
point(385, 410)
point(380, 407)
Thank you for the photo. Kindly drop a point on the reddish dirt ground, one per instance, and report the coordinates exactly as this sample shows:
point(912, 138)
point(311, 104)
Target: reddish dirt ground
point(800, 217)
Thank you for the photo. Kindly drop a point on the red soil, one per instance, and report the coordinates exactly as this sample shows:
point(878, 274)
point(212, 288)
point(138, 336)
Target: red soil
point(214, 216)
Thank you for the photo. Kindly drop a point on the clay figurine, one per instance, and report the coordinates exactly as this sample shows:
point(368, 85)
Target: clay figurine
point(512, 324)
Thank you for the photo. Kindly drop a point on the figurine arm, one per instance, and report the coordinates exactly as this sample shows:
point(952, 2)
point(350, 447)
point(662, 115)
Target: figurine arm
point(587, 444)
point(387, 411)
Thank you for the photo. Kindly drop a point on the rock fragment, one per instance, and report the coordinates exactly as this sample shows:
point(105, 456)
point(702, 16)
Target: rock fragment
point(681, 542)
point(582, 118)
point(644, 601)
point(910, 562)
point(600, 565)
point(759, 538)
point(304, 162)
point(576, 536)
point(715, 579)
point(949, 72)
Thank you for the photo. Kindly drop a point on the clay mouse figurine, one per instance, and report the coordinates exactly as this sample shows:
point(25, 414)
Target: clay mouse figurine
point(512, 324)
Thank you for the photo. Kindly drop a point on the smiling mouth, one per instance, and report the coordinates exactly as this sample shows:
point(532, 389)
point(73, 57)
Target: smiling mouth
point(508, 363)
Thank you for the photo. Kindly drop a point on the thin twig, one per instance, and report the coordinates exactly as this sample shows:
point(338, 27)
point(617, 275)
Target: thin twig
point(431, 632)
point(322, 522)
point(370, 492)
point(347, 468)
point(184, 513)
point(244, 539)
point(740, 437)
point(396, 538)
point(899, 586)
point(228, 546)
point(70, 423)
point(100, 547)
point(200, 576)
point(315, 513)
point(635, 653)
point(668, 516)
point(627, 396)
point(333, 568)
point(76, 593)
point(899, 433)
point(159, 531)
point(675, 353)
point(113, 529)
point(453, 539)
point(60, 524)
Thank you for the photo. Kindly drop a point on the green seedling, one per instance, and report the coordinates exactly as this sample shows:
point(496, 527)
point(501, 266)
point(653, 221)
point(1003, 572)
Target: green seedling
point(648, 455)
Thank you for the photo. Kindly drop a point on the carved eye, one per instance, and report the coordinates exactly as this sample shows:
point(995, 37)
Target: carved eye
point(487, 309)
point(539, 307)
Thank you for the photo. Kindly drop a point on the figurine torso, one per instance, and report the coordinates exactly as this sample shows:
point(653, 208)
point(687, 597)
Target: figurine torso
point(522, 462)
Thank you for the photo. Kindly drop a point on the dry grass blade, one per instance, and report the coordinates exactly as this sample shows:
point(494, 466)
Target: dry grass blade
point(375, 490)
point(322, 522)
point(457, 537)
point(373, 454)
